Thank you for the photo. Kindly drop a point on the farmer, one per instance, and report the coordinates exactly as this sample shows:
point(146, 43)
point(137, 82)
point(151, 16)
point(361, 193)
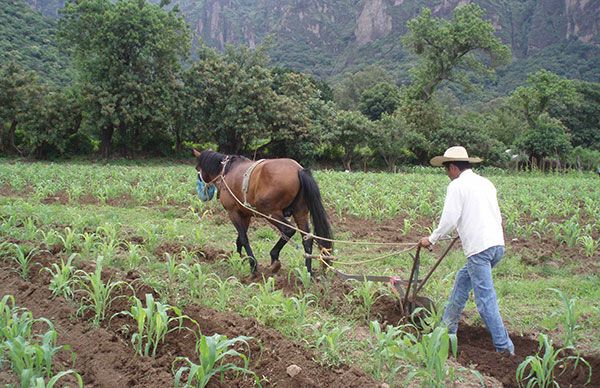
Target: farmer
point(471, 207)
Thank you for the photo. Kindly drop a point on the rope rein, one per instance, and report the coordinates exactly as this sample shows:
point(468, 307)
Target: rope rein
point(324, 253)
point(306, 235)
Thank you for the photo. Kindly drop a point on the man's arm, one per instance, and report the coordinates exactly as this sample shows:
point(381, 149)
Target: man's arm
point(450, 216)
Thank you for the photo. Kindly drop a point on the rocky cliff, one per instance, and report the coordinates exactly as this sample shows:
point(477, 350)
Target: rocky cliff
point(327, 36)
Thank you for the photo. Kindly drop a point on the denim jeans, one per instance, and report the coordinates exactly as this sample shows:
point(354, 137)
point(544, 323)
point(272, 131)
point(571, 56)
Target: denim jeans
point(477, 275)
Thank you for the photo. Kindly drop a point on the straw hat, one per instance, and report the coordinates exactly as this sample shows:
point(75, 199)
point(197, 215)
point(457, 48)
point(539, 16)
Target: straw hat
point(454, 154)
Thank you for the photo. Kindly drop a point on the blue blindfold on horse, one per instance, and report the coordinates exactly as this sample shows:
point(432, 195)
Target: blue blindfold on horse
point(205, 192)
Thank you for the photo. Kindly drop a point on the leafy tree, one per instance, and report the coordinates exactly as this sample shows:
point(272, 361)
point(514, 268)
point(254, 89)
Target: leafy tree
point(301, 117)
point(51, 127)
point(582, 115)
point(547, 138)
point(127, 54)
point(544, 90)
point(348, 91)
point(469, 131)
point(352, 129)
point(396, 141)
point(447, 49)
point(381, 98)
point(237, 103)
point(19, 90)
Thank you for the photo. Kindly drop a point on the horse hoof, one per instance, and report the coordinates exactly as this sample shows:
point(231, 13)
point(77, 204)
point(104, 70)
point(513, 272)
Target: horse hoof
point(275, 266)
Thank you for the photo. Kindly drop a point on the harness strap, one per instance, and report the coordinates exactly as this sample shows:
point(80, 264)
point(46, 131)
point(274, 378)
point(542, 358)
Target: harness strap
point(246, 180)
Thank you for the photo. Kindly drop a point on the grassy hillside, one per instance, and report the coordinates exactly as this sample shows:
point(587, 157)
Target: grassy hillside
point(28, 38)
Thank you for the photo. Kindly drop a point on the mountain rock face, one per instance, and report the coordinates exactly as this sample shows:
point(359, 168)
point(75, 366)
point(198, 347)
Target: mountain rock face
point(324, 36)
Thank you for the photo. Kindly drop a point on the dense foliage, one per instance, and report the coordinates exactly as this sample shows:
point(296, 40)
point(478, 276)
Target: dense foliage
point(137, 91)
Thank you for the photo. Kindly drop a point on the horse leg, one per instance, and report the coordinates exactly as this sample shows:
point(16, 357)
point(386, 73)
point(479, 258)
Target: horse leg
point(302, 222)
point(286, 234)
point(241, 223)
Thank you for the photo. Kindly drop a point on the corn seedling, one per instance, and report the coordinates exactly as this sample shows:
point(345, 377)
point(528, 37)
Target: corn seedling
point(366, 292)
point(223, 291)
point(152, 324)
point(96, 294)
point(329, 342)
point(69, 240)
point(589, 245)
point(196, 280)
point(23, 260)
point(304, 276)
point(568, 318)
point(53, 381)
point(62, 278)
point(212, 352)
point(386, 346)
point(433, 350)
point(542, 367)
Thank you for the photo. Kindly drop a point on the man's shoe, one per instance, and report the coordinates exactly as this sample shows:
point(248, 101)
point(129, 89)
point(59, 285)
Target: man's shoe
point(507, 353)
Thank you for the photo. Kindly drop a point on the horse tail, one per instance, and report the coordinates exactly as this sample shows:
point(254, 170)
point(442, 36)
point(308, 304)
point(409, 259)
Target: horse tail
point(312, 197)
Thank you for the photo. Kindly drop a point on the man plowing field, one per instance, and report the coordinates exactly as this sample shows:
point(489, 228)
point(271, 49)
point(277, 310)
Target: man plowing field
point(471, 207)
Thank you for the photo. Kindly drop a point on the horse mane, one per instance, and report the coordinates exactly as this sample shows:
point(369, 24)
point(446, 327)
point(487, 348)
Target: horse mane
point(212, 162)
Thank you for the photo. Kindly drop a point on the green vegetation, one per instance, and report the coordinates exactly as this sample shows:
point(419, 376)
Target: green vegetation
point(212, 352)
point(139, 93)
point(30, 356)
point(151, 213)
point(152, 324)
point(546, 363)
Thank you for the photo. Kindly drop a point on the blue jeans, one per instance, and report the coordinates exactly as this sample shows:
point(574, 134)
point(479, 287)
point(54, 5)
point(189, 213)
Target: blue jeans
point(477, 275)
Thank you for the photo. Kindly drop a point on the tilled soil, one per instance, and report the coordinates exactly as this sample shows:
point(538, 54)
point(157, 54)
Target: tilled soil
point(105, 357)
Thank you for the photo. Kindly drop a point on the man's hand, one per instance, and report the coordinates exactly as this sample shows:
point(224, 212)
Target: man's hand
point(425, 243)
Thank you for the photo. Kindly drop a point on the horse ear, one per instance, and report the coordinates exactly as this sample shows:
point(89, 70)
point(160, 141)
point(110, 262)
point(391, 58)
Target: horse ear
point(196, 152)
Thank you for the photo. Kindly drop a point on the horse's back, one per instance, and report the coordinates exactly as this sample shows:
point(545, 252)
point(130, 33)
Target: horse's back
point(274, 183)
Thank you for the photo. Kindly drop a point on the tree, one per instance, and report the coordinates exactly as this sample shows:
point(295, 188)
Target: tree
point(582, 115)
point(448, 49)
point(547, 138)
point(381, 98)
point(19, 89)
point(235, 97)
point(544, 90)
point(127, 54)
point(351, 130)
point(348, 91)
point(396, 141)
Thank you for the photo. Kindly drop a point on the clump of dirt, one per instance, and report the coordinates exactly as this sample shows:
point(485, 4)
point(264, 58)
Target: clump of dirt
point(60, 197)
point(475, 349)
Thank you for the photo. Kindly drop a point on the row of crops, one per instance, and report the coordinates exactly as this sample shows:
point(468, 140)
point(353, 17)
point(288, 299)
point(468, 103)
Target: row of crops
point(562, 207)
point(148, 219)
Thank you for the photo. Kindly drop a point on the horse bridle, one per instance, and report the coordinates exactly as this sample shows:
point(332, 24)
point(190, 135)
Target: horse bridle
point(221, 174)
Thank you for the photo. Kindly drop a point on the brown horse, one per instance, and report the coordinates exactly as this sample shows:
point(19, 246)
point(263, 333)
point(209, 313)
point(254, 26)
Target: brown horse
point(278, 188)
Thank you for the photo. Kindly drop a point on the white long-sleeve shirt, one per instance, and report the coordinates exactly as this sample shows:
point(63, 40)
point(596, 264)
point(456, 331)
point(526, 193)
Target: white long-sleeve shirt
point(471, 207)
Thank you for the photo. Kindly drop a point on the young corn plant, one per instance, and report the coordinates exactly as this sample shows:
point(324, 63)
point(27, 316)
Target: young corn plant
point(386, 350)
point(543, 366)
point(329, 342)
point(304, 276)
point(97, 295)
point(212, 352)
point(69, 240)
point(433, 350)
point(53, 381)
point(223, 291)
point(63, 279)
point(366, 292)
point(32, 362)
point(23, 260)
point(196, 280)
point(152, 323)
point(589, 245)
point(568, 318)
